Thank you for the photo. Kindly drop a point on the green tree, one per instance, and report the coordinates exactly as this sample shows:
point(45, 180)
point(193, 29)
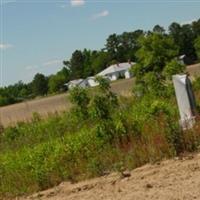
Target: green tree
point(40, 85)
point(80, 98)
point(56, 83)
point(76, 64)
point(196, 28)
point(158, 29)
point(173, 67)
point(112, 46)
point(184, 37)
point(101, 61)
point(103, 103)
point(197, 47)
point(156, 52)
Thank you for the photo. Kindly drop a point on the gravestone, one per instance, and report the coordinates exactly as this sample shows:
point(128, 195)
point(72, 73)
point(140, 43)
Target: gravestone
point(185, 99)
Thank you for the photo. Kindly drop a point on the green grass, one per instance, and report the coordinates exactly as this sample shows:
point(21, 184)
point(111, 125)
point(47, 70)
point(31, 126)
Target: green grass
point(40, 154)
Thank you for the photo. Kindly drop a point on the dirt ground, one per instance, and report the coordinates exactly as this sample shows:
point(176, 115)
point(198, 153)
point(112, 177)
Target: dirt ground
point(175, 179)
point(194, 70)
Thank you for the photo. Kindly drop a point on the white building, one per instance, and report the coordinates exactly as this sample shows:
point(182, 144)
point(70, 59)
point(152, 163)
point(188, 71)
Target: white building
point(77, 82)
point(91, 81)
point(116, 71)
point(113, 73)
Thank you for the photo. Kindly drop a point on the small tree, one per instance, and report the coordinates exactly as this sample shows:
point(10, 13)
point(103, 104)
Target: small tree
point(80, 98)
point(102, 104)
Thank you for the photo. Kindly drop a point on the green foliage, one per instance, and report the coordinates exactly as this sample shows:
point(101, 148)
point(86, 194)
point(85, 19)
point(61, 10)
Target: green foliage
point(104, 83)
point(184, 36)
point(106, 133)
point(79, 97)
point(197, 46)
point(172, 68)
point(158, 29)
point(56, 83)
point(155, 63)
point(40, 85)
point(156, 49)
point(40, 154)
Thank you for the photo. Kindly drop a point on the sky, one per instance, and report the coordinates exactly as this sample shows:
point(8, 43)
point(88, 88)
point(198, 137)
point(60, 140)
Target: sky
point(37, 35)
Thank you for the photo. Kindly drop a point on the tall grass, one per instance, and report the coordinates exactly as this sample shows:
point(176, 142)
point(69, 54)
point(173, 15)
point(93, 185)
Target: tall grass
point(40, 154)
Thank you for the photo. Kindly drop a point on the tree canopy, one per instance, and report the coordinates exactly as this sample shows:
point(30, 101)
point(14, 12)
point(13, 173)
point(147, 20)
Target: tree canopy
point(154, 51)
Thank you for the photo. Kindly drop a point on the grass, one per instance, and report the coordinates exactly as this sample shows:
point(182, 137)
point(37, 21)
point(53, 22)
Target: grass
point(21, 112)
point(10, 115)
point(71, 147)
point(42, 153)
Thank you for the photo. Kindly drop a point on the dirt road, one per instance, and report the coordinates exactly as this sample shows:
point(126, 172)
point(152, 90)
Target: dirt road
point(176, 179)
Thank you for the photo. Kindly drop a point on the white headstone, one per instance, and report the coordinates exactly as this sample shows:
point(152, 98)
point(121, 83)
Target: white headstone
point(185, 100)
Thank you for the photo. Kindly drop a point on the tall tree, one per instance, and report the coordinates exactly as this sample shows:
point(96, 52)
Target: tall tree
point(40, 85)
point(112, 46)
point(158, 29)
point(156, 52)
point(76, 66)
point(184, 37)
point(197, 47)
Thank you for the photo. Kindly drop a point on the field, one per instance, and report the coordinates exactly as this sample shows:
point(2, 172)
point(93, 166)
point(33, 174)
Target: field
point(46, 106)
point(10, 115)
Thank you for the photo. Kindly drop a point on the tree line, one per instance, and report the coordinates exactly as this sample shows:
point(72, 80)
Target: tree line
point(157, 46)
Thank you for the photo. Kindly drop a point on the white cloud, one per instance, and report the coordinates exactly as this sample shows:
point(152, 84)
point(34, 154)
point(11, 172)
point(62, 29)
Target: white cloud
point(5, 46)
point(188, 22)
point(51, 62)
point(104, 13)
point(42, 65)
point(76, 3)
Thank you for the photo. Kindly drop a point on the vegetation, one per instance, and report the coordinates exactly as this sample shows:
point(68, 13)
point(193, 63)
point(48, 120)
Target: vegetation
point(102, 132)
point(180, 39)
point(197, 46)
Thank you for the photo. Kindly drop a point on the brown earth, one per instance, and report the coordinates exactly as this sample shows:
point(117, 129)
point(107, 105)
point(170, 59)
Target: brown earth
point(194, 70)
point(175, 179)
point(10, 115)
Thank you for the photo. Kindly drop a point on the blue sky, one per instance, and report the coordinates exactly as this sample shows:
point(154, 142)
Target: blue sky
point(37, 35)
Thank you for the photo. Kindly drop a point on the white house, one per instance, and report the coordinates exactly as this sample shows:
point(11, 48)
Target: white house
point(77, 82)
point(116, 71)
point(113, 72)
point(91, 81)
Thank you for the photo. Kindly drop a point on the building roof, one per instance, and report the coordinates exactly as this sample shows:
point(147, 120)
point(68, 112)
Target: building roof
point(91, 77)
point(116, 68)
point(75, 82)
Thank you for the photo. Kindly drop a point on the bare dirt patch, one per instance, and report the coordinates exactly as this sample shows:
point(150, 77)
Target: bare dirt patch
point(175, 179)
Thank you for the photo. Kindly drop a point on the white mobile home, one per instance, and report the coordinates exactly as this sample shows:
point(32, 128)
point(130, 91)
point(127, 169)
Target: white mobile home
point(116, 71)
point(91, 81)
point(77, 82)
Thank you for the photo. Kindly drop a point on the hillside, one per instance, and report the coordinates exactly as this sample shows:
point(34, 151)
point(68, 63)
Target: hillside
point(48, 105)
point(173, 179)
point(58, 103)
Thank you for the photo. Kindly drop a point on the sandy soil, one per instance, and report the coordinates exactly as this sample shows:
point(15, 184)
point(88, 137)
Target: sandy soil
point(176, 179)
